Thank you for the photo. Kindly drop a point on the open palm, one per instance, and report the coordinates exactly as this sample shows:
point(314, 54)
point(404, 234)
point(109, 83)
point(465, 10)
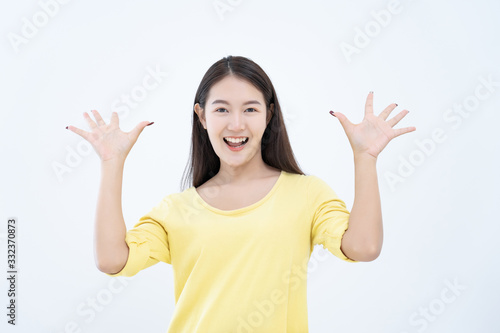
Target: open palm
point(108, 140)
point(374, 132)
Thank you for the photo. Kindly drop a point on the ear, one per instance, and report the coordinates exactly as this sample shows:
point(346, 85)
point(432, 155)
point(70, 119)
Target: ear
point(270, 113)
point(200, 113)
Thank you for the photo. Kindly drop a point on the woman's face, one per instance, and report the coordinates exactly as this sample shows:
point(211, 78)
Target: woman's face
point(235, 109)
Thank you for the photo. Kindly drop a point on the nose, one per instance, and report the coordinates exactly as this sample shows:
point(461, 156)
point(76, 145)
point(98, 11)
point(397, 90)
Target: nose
point(236, 122)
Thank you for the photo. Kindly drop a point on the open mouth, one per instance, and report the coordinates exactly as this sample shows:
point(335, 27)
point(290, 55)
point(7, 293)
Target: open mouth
point(237, 144)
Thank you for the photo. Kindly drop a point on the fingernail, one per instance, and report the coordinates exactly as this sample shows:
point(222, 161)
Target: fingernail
point(151, 123)
point(66, 127)
point(333, 113)
point(396, 104)
point(371, 92)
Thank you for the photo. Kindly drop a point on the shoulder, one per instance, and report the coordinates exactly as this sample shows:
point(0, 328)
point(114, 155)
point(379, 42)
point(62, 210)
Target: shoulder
point(303, 186)
point(175, 198)
point(311, 190)
point(299, 180)
point(312, 186)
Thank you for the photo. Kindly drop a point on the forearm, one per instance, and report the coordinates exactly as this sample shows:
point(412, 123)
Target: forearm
point(363, 239)
point(111, 250)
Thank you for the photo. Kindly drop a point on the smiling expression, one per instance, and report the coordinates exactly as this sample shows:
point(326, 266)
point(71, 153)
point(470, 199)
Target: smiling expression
point(235, 110)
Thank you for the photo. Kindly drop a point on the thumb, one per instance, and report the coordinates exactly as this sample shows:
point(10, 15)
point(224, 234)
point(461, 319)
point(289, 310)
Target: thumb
point(138, 129)
point(346, 124)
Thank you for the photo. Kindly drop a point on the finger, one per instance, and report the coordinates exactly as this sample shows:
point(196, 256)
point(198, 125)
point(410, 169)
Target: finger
point(400, 131)
point(89, 120)
point(78, 131)
point(98, 117)
point(346, 123)
point(394, 120)
point(114, 118)
point(384, 114)
point(138, 129)
point(369, 103)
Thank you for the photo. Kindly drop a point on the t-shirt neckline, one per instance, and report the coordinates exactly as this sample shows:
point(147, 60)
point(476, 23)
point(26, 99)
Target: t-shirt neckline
point(242, 209)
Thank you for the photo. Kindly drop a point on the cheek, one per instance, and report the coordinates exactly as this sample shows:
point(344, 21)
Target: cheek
point(257, 125)
point(260, 133)
point(214, 139)
point(214, 125)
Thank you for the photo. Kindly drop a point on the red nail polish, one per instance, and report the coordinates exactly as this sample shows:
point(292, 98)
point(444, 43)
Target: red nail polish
point(66, 127)
point(151, 123)
point(333, 113)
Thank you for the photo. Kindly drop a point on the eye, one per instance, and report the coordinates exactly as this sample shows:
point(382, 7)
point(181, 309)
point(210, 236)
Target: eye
point(220, 109)
point(253, 110)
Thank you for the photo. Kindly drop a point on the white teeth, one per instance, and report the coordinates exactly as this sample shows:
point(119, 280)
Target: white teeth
point(236, 140)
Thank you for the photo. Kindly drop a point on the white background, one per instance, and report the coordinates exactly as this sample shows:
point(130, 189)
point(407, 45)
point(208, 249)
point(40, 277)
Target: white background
point(440, 210)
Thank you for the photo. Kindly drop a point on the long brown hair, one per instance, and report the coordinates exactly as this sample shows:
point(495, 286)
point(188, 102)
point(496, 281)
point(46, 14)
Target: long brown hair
point(275, 145)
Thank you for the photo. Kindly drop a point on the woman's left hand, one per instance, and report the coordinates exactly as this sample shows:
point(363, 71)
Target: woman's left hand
point(374, 132)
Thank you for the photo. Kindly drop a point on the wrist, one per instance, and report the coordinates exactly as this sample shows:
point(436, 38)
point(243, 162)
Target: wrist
point(364, 158)
point(113, 163)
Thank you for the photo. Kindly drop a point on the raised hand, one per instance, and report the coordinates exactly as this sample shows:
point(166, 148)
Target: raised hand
point(373, 133)
point(109, 141)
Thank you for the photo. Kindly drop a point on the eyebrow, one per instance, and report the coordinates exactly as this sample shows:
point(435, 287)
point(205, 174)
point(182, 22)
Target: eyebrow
point(221, 101)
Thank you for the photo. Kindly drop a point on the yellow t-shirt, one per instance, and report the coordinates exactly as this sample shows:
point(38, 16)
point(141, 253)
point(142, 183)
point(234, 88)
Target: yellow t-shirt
point(243, 270)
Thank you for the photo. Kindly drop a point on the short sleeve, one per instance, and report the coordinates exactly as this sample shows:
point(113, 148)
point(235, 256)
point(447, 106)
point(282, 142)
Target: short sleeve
point(330, 217)
point(147, 242)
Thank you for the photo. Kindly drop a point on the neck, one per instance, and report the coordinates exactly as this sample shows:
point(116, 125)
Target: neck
point(243, 174)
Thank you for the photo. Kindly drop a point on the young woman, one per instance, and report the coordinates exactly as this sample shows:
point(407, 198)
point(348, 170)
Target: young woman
point(240, 237)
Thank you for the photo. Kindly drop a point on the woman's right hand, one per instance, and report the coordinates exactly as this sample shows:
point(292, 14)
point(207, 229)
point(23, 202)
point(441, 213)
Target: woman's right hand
point(109, 141)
